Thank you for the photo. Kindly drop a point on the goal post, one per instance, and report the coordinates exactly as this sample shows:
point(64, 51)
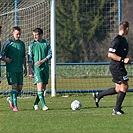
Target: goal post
point(53, 45)
point(16, 12)
point(119, 11)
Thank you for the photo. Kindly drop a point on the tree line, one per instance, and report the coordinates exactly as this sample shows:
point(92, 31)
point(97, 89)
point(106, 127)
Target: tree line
point(84, 29)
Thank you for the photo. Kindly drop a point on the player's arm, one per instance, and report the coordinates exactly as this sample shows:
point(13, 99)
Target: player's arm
point(25, 67)
point(49, 55)
point(38, 63)
point(4, 51)
point(112, 52)
point(114, 56)
point(7, 60)
point(31, 73)
point(30, 64)
point(24, 62)
point(118, 58)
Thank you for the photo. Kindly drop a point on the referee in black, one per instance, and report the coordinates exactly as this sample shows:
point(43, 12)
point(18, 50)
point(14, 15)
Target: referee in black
point(118, 53)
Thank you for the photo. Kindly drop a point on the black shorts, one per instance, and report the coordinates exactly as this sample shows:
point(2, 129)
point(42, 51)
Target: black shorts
point(119, 75)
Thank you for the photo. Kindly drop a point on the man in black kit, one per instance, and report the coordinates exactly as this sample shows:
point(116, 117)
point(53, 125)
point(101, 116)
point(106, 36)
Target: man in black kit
point(117, 52)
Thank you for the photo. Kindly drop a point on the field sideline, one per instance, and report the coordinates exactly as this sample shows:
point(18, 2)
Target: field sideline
point(61, 119)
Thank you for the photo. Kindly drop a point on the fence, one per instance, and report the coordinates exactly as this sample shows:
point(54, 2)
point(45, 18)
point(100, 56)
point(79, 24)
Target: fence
point(74, 78)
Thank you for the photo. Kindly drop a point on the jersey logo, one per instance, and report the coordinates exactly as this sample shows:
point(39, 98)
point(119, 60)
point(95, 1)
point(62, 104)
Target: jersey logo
point(112, 50)
point(125, 77)
point(125, 49)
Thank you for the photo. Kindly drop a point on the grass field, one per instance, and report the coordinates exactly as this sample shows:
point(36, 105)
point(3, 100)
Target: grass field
point(61, 119)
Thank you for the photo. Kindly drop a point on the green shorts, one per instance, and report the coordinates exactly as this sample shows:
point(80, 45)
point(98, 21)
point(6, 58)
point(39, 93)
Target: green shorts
point(15, 78)
point(41, 76)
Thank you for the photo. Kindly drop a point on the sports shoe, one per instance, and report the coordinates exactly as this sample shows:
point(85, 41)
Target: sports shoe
point(45, 108)
point(15, 109)
point(122, 111)
point(117, 112)
point(96, 100)
point(10, 102)
point(36, 107)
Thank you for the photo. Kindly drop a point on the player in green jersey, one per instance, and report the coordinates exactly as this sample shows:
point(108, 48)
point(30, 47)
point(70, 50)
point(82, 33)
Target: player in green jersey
point(14, 54)
point(38, 56)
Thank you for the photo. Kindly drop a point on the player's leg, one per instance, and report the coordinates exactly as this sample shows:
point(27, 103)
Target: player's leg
point(45, 77)
point(16, 79)
point(110, 91)
point(12, 99)
point(35, 106)
point(19, 91)
point(18, 88)
point(14, 93)
point(36, 100)
point(123, 87)
point(20, 83)
point(12, 80)
point(44, 89)
point(40, 79)
point(40, 94)
point(97, 96)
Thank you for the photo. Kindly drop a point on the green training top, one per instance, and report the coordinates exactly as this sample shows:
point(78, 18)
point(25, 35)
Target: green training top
point(14, 50)
point(38, 51)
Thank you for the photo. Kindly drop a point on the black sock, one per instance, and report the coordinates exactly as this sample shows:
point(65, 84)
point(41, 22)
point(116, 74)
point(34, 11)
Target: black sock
point(120, 97)
point(110, 91)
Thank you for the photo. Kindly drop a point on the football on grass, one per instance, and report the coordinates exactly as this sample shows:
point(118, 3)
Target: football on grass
point(76, 105)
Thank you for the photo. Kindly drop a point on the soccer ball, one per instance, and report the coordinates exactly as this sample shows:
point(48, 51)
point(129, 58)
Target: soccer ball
point(76, 105)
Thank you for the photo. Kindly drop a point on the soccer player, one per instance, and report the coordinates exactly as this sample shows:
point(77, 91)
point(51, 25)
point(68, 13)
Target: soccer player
point(118, 53)
point(38, 56)
point(14, 54)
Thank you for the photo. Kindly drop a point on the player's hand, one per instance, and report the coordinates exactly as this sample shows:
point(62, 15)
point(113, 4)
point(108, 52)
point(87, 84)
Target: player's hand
point(25, 72)
point(7, 60)
point(127, 61)
point(37, 63)
point(31, 74)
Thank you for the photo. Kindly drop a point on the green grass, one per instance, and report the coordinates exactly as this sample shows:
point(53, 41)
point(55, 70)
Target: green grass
point(61, 119)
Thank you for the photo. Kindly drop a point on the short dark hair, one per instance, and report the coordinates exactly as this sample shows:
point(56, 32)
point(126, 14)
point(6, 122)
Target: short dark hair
point(38, 30)
point(16, 28)
point(124, 25)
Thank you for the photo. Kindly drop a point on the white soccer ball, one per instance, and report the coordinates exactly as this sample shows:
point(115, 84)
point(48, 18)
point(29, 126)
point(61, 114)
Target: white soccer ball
point(76, 105)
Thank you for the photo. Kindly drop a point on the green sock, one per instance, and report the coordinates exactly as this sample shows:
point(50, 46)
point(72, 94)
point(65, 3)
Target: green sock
point(36, 100)
point(41, 97)
point(11, 94)
point(14, 96)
